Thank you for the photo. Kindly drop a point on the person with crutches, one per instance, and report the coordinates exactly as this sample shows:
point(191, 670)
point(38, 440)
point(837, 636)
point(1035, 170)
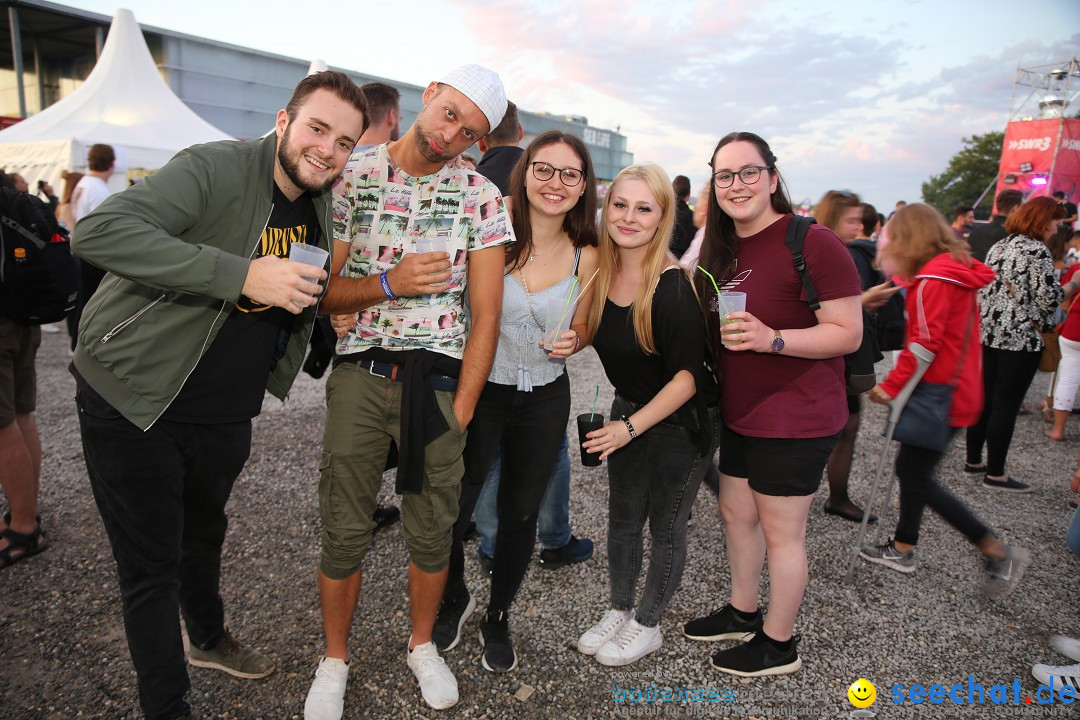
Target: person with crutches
point(942, 282)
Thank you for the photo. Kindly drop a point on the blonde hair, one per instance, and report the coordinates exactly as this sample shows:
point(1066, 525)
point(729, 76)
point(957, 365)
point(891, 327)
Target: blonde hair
point(657, 259)
point(917, 234)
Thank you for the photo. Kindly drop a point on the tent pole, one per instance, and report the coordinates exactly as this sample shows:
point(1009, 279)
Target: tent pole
point(16, 56)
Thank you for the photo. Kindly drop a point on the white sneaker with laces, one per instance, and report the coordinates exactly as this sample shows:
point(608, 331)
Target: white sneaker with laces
point(1058, 677)
point(326, 698)
point(438, 685)
point(633, 642)
point(601, 632)
point(1067, 646)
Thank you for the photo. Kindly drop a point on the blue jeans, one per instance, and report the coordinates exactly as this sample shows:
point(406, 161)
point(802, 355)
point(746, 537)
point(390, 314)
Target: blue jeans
point(655, 478)
point(1072, 535)
point(553, 522)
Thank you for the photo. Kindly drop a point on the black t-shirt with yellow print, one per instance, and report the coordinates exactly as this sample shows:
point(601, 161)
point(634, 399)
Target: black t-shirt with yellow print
point(228, 383)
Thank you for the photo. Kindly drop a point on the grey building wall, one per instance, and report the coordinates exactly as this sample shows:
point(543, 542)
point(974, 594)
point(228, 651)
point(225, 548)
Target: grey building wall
point(238, 90)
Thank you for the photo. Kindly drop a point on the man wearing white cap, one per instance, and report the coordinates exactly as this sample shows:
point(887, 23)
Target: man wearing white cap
point(412, 234)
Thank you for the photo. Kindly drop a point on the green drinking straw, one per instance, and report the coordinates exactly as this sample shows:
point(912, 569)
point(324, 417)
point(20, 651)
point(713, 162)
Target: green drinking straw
point(719, 295)
point(595, 398)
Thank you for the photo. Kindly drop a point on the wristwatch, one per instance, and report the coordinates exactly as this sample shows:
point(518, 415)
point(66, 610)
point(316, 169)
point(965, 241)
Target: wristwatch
point(777, 343)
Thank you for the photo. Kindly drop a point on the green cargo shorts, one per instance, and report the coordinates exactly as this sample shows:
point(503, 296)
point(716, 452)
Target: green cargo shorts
point(363, 415)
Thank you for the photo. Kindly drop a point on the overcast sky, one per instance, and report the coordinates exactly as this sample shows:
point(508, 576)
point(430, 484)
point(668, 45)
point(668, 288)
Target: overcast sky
point(872, 96)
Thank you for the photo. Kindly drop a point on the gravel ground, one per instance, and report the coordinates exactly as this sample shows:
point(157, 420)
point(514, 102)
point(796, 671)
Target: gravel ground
point(62, 639)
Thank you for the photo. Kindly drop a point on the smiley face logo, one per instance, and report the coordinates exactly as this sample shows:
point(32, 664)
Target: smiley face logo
point(862, 693)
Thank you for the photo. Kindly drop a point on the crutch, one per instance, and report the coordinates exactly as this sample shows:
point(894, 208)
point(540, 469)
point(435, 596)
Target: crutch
point(923, 358)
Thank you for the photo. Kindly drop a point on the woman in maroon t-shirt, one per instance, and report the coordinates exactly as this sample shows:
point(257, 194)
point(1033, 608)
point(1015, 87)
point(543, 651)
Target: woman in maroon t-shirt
point(782, 397)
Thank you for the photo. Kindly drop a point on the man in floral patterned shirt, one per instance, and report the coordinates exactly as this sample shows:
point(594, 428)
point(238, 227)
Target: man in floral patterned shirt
point(413, 234)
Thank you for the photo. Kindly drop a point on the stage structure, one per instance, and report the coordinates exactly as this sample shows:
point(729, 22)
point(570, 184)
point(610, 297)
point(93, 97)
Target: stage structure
point(1041, 153)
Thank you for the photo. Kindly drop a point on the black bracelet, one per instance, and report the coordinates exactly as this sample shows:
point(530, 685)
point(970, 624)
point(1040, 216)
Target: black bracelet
point(386, 287)
point(629, 426)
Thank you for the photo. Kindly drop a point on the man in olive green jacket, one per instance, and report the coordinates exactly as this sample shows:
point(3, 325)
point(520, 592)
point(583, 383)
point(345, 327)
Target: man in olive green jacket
point(199, 315)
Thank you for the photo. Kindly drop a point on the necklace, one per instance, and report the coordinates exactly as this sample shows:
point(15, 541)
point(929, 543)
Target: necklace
point(534, 255)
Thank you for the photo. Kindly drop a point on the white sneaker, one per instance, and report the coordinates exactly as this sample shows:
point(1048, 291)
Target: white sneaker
point(1058, 677)
point(633, 642)
point(1067, 646)
point(437, 684)
point(326, 698)
point(601, 632)
point(50, 328)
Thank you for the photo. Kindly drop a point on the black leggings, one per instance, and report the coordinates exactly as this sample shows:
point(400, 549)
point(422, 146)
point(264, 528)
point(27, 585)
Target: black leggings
point(529, 428)
point(1007, 374)
point(916, 468)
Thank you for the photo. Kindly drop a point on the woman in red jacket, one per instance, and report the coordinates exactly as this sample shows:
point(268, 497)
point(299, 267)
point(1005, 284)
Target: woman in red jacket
point(942, 282)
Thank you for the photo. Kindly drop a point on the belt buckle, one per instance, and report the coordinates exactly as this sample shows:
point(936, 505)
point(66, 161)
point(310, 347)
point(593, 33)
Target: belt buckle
point(392, 375)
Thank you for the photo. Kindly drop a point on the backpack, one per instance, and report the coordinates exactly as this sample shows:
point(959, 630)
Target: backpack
point(39, 281)
point(859, 372)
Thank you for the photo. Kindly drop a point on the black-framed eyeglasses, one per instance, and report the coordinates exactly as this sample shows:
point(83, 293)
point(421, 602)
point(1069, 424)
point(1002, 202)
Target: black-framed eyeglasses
point(543, 172)
point(749, 175)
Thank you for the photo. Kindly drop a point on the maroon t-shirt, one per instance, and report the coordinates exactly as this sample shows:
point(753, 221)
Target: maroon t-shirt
point(781, 396)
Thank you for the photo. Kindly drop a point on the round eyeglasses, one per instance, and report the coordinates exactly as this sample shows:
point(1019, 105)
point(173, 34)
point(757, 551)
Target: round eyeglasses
point(749, 175)
point(543, 172)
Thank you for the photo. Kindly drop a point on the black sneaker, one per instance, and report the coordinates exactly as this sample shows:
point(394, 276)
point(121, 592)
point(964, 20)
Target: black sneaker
point(499, 655)
point(575, 551)
point(385, 515)
point(723, 624)
point(1002, 576)
point(1007, 485)
point(448, 623)
point(487, 563)
point(758, 657)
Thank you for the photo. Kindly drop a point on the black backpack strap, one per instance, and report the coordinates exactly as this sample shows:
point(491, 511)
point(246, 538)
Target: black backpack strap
point(796, 234)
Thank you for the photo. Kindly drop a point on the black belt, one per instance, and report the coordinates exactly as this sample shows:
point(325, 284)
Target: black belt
point(390, 372)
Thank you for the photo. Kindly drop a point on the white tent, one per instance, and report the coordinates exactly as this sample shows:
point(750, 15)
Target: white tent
point(124, 103)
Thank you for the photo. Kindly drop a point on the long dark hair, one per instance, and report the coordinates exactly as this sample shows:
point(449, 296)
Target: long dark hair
point(579, 223)
point(720, 243)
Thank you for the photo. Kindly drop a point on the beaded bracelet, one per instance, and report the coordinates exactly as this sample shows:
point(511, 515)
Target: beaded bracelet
point(386, 287)
point(633, 433)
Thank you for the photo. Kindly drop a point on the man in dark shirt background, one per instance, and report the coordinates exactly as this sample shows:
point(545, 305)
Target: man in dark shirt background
point(501, 151)
point(986, 234)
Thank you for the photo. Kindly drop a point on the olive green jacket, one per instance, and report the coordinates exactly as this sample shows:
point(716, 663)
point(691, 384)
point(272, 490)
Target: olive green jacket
point(177, 248)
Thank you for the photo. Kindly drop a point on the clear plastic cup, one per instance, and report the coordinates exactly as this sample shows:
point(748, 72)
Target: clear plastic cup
point(557, 316)
point(309, 255)
point(732, 302)
point(432, 244)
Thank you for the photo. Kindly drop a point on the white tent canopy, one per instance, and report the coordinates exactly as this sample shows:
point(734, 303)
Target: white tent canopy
point(124, 103)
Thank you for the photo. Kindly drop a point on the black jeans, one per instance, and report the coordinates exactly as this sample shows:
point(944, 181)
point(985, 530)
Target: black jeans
point(161, 495)
point(529, 428)
point(916, 467)
point(655, 478)
point(1007, 374)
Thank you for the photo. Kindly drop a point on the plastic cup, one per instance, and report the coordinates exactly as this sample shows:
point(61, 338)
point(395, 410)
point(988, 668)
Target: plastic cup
point(586, 423)
point(432, 244)
point(732, 302)
point(557, 317)
point(308, 255)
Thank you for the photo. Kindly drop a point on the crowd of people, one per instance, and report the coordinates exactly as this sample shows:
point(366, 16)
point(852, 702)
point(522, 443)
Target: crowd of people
point(735, 335)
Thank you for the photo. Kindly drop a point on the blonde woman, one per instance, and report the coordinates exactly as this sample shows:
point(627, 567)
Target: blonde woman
point(647, 327)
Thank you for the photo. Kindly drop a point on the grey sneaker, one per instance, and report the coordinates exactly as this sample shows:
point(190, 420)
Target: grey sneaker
point(890, 557)
point(233, 658)
point(1002, 576)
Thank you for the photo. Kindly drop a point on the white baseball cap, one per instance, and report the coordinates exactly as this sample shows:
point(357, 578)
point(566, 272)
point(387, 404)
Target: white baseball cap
point(483, 87)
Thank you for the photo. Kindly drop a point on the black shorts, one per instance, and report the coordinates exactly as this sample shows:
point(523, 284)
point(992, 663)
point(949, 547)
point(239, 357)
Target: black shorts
point(775, 466)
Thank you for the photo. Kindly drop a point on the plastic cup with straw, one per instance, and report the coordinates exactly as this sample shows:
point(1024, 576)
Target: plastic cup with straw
point(586, 423)
point(724, 309)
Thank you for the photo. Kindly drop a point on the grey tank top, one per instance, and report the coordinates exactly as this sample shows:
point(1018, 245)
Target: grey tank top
point(519, 359)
